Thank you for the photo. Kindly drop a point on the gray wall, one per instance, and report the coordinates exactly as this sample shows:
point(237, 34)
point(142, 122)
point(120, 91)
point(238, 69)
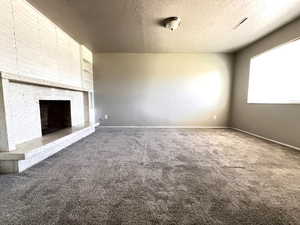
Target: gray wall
point(276, 121)
point(162, 89)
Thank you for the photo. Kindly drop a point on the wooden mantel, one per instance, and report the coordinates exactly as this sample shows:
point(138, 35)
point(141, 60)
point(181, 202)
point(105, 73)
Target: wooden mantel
point(39, 82)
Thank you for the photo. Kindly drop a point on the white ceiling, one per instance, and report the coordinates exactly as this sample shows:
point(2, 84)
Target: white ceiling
point(133, 25)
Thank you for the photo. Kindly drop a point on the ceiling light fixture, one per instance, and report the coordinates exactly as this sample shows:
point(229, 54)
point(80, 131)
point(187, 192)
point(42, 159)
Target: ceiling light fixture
point(240, 23)
point(172, 23)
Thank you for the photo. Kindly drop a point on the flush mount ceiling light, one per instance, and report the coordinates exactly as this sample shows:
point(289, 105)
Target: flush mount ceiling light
point(172, 23)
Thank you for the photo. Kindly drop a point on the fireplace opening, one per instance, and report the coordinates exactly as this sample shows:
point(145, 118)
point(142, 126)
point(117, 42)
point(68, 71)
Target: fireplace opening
point(55, 115)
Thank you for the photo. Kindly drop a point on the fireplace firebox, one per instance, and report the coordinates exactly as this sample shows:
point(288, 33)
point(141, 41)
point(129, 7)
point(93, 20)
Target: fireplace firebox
point(55, 115)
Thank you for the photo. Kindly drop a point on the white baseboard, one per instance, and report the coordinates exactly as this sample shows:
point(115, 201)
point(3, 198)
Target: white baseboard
point(169, 127)
point(267, 139)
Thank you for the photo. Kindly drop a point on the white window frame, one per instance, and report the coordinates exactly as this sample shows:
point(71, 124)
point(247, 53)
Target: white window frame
point(274, 102)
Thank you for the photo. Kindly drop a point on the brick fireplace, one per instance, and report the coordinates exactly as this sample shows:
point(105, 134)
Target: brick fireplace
point(46, 87)
point(39, 119)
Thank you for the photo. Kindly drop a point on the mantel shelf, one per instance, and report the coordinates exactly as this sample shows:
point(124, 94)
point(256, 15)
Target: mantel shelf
point(39, 82)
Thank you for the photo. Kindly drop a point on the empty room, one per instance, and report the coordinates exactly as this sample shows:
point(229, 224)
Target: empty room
point(162, 112)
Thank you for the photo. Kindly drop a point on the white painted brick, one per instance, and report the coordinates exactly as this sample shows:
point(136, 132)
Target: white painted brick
point(31, 45)
point(8, 60)
point(24, 105)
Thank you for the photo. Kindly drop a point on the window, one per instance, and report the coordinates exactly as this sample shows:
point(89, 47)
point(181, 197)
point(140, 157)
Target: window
point(275, 75)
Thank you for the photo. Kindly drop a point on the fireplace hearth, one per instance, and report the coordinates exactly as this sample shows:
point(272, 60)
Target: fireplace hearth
point(55, 115)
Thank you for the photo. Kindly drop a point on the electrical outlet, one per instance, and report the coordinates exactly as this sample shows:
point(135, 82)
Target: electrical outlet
point(106, 116)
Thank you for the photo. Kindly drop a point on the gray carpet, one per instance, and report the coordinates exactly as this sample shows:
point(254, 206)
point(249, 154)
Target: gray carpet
point(158, 176)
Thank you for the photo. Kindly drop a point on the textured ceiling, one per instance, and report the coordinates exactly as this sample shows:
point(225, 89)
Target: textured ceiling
point(133, 25)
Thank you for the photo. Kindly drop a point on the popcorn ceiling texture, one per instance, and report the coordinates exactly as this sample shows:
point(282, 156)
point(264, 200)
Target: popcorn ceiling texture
point(25, 112)
point(158, 176)
point(133, 25)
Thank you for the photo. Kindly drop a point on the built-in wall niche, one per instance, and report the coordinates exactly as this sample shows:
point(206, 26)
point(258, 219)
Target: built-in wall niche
point(87, 68)
point(55, 115)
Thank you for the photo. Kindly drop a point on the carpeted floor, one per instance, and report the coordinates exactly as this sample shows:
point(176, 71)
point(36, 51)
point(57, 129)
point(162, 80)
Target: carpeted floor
point(158, 176)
